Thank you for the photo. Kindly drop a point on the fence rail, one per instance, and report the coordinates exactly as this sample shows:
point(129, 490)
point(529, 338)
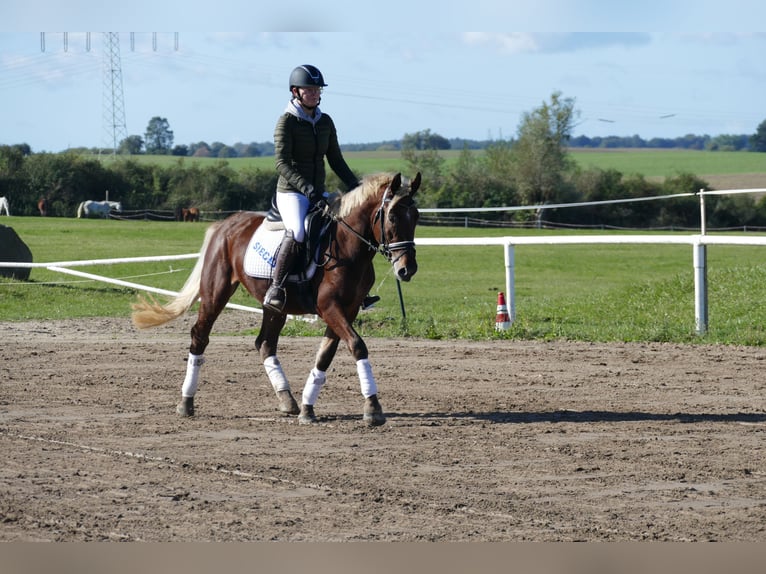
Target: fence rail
point(698, 242)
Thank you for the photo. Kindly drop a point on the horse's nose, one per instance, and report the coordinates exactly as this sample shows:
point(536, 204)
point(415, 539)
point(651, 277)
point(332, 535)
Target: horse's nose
point(406, 272)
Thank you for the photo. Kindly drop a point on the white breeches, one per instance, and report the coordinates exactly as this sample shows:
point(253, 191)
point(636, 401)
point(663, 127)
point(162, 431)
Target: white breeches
point(293, 208)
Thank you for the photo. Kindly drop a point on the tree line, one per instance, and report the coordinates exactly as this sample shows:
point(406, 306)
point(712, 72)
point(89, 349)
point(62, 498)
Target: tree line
point(66, 179)
point(158, 139)
point(534, 168)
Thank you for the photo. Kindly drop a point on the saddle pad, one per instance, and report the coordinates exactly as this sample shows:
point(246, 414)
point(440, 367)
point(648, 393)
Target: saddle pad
point(261, 254)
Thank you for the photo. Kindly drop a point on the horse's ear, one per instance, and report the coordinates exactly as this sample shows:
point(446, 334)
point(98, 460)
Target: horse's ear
point(415, 184)
point(396, 183)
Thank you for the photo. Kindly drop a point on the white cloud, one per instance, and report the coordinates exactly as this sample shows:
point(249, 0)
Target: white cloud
point(519, 43)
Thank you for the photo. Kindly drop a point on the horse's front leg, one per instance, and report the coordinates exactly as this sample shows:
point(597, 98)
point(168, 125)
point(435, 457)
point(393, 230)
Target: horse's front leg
point(373, 412)
point(266, 343)
point(318, 376)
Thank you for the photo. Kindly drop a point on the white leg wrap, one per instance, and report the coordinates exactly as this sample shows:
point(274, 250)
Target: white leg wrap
point(314, 383)
point(191, 382)
point(366, 380)
point(276, 374)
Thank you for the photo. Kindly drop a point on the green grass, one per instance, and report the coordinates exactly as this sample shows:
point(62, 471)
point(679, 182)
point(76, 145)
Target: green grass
point(579, 292)
point(668, 163)
point(648, 162)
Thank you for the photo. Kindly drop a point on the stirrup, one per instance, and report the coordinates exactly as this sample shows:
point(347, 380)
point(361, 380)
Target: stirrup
point(369, 301)
point(275, 298)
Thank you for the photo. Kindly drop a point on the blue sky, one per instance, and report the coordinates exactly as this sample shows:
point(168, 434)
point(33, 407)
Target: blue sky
point(386, 77)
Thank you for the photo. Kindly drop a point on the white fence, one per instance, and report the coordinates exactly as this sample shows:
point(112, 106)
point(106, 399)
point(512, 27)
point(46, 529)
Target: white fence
point(698, 242)
point(64, 267)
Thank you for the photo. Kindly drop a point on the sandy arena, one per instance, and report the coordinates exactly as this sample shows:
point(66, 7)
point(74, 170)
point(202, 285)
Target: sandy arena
point(485, 441)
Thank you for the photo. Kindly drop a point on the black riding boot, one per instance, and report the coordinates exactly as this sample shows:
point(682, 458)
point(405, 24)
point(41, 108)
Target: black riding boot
point(276, 296)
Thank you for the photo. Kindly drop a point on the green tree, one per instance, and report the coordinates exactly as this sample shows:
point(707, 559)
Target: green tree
point(158, 137)
point(425, 140)
point(758, 139)
point(427, 161)
point(540, 152)
point(131, 145)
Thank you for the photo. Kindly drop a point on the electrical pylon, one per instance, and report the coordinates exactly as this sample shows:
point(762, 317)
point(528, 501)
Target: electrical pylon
point(115, 128)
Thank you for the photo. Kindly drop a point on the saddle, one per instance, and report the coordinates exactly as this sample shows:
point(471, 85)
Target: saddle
point(311, 251)
point(263, 248)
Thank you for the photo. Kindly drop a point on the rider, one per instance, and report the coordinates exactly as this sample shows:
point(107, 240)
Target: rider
point(303, 137)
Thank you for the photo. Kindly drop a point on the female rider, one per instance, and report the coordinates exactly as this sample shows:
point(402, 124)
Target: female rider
point(303, 138)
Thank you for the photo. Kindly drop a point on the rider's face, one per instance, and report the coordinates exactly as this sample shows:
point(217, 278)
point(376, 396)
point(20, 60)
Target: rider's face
point(310, 95)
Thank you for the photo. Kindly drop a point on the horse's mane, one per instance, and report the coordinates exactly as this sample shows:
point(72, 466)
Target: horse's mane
point(367, 188)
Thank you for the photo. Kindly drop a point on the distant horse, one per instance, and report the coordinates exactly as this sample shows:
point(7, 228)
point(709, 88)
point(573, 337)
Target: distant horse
point(98, 208)
point(190, 214)
point(379, 216)
point(42, 206)
point(4, 206)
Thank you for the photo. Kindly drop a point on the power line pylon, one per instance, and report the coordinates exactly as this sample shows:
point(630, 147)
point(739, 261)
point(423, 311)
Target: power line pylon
point(115, 128)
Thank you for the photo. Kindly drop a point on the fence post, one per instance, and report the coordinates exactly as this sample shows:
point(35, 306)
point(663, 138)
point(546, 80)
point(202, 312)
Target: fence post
point(700, 287)
point(510, 287)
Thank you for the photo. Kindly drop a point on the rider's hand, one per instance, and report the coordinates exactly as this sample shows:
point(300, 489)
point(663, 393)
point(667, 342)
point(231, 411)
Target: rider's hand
point(315, 195)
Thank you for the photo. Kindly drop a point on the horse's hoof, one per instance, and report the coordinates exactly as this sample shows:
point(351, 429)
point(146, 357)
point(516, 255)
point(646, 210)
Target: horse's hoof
point(373, 412)
point(307, 416)
point(287, 403)
point(186, 407)
point(374, 419)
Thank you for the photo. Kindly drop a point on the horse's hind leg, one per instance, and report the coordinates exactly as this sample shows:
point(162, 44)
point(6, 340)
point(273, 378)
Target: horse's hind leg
point(266, 343)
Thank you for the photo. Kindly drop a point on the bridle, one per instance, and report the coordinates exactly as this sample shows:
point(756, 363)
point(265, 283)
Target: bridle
point(386, 249)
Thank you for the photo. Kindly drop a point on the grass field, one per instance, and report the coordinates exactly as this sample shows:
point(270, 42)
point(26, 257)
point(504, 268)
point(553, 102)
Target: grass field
point(579, 292)
point(649, 162)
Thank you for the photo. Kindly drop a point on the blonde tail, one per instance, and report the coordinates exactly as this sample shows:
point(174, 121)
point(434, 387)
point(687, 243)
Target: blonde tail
point(152, 314)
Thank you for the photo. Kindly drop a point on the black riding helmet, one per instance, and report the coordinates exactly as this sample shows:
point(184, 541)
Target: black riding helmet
point(306, 75)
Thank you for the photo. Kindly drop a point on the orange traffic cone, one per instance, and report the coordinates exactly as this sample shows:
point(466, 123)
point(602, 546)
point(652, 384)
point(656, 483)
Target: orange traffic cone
point(502, 319)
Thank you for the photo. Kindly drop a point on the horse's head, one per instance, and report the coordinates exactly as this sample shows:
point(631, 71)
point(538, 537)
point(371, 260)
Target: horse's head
point(394, 225)
point(116, 205)
point(381, 211)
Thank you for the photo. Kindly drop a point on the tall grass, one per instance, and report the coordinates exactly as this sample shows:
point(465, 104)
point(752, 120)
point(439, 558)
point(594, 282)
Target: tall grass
point(578, 292)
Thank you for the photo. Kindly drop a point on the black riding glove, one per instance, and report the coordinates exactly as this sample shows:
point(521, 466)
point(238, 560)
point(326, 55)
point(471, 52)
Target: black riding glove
point(317, 196)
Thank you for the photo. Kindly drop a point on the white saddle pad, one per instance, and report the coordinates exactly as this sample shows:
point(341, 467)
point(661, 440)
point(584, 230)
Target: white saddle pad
point(261, 254)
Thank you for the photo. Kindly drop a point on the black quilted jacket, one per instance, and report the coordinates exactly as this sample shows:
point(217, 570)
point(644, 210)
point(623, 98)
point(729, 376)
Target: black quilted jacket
point(301, 149)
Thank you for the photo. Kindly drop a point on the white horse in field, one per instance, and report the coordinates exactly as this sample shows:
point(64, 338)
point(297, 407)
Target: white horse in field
point(98, 208)
point(4, 206)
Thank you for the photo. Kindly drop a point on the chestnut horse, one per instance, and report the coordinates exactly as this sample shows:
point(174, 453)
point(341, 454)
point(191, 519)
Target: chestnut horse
point(42, 206)
point(379, 216)
point(190, 214)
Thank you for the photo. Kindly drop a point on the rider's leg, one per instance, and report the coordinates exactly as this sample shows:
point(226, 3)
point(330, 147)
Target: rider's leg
point(275, 297)
point(293, 208)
